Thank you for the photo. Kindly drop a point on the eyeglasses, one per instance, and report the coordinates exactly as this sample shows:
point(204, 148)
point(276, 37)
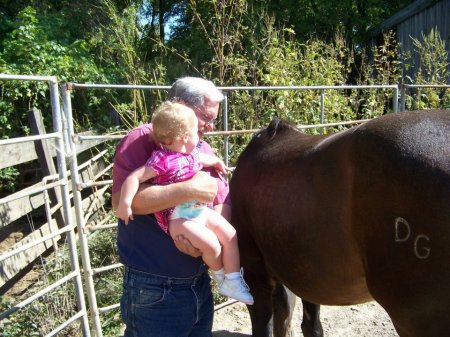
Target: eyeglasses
point(206, 120)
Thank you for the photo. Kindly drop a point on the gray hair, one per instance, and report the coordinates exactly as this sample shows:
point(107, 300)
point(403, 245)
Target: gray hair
point(193, 91)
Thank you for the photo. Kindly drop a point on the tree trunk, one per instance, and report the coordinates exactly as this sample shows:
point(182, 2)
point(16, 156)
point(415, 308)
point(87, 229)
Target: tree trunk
point(161, 20)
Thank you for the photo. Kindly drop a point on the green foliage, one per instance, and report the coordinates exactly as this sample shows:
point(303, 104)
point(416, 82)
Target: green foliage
point(288, 63)
point(16, 325)
point(433, 59)
point(26, 50)
point(8, 178)
point(223, 30)
point(385, 68)
point(322, 19)
point(432, 68)
point(41, 316)
point(282, 61)
point(120, 43)
point(6, 119)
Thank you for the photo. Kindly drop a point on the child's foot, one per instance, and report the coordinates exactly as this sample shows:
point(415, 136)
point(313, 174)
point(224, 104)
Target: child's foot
point(218, 276)
point(237, 289)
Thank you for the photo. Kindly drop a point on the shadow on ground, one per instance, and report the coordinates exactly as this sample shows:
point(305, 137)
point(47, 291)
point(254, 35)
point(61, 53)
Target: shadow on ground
point(223, 333)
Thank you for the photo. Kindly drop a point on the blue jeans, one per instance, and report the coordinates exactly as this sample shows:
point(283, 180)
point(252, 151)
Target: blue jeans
point(158, 306)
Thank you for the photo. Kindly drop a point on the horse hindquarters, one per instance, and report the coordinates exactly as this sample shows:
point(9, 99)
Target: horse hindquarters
point(403, 198)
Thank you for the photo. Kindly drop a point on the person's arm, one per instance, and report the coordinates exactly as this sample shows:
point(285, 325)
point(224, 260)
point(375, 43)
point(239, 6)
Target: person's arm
point(152, 198)
point(129, 190)
point(209, 160)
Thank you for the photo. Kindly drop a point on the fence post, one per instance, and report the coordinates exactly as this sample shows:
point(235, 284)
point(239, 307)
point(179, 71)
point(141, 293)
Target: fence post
point(62, 169)
point(322, 108)
point(419, 99)
point(225, 128)
point(395, 100)
point(44, 153)
point(82, 235)
point(403, 98)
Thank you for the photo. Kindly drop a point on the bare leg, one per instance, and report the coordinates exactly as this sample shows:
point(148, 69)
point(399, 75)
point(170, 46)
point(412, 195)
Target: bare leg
point(226, 234)
point(224, 210)
point(200, 237)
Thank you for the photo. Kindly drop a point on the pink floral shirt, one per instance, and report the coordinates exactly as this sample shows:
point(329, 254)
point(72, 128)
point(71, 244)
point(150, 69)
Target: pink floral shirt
point(172, 167)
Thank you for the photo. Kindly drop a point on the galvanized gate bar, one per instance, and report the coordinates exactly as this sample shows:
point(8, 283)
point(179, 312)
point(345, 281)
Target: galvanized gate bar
point(84, 249)
point(40, 293)
point(35, 242)
point(29, 138)
point(405, 87)
point(62, 169)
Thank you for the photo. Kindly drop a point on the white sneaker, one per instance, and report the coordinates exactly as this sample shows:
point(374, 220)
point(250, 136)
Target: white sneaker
point(236, 289)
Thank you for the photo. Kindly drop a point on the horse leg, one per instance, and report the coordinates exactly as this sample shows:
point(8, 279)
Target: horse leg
point(311, 326)
point(283, 308)
point(261, 311)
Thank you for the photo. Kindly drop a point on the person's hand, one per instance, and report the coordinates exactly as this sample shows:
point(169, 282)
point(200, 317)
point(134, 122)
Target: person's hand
point(125, 213)
point(185, 246)
point(203, 187)
point(221, 167)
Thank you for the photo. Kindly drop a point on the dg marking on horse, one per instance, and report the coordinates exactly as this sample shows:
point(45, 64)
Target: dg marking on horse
point(424, 251)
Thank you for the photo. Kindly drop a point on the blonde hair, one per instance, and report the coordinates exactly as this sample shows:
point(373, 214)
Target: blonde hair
point(171, 121)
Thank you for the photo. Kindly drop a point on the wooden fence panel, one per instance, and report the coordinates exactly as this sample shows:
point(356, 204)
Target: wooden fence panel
point(19, 153)
point(91, 205)
point(18, 208)
point(13, 265)
point(44, 150)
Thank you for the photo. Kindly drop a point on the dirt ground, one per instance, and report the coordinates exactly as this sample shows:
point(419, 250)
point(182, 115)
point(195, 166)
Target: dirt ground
point(365, 320)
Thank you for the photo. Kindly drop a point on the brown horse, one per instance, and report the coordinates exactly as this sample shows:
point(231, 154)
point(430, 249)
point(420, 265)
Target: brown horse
point(359, 215)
